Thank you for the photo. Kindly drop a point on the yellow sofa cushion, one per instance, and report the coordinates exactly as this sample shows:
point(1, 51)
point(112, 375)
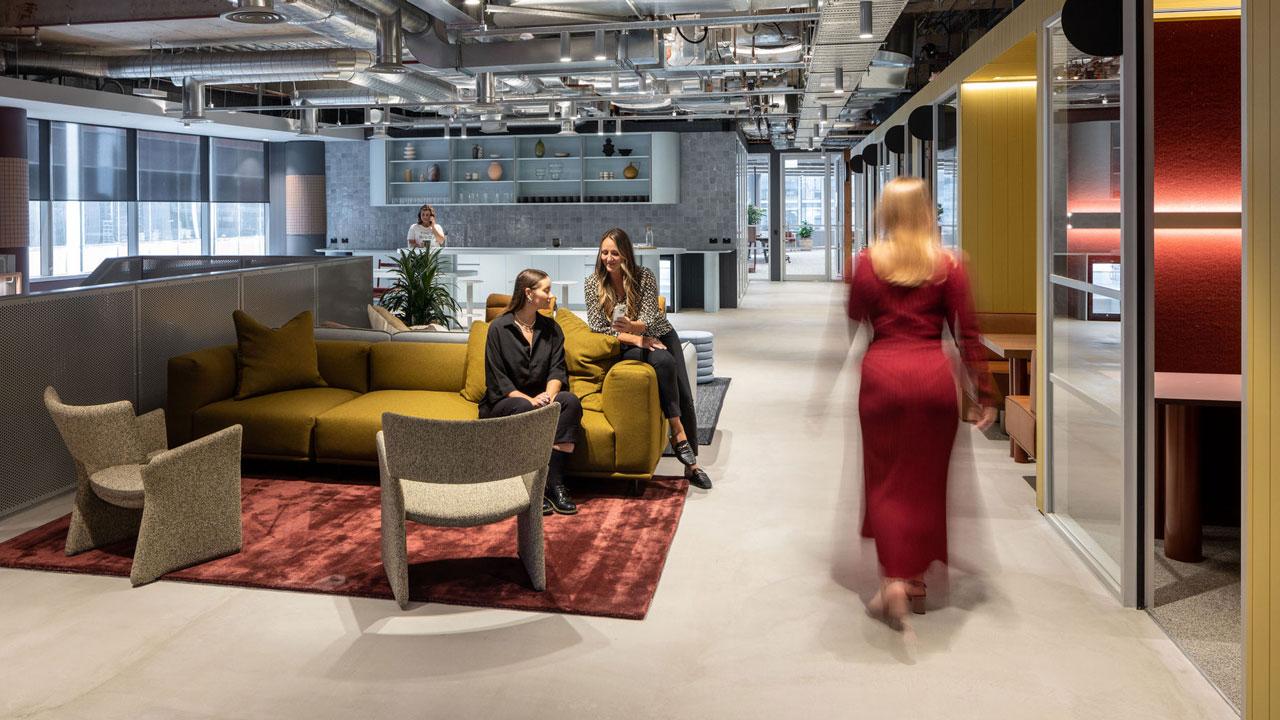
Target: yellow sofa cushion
point(417, 366)
point(278, 424)
point(474, 388)
point(587, 356)
point(348, 431)
point(344, 364)
point(269, 359)
point(596, 451)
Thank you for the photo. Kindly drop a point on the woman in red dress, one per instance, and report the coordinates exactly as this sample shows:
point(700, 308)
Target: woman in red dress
point(907, 287)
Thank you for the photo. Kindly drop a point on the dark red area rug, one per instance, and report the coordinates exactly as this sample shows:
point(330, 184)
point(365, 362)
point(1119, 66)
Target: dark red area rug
point(323, 537)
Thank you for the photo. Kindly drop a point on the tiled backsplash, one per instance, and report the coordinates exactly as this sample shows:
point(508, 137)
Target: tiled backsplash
point(706, 209)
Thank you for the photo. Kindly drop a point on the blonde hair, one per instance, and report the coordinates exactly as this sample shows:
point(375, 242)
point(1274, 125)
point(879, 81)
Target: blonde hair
point(630, 280)
point(907, 251)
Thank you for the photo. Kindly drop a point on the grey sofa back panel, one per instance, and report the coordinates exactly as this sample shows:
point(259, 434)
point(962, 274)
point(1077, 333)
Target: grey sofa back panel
point(431, 337)
point(361, 334)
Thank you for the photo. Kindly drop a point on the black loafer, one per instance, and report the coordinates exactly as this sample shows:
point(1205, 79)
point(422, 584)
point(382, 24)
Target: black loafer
point(684, 452)
point(699, 478)
point(560, 501)
point(546, 506)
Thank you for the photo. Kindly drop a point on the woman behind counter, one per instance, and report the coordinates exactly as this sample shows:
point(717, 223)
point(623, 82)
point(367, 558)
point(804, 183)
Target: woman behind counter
point(642, 328)
point(524, 369)
point(426, 231)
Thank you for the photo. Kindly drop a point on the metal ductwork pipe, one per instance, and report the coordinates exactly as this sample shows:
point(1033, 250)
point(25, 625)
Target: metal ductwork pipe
point(485, 93)
point(524, 85)
point(415, 86)
point(193, 102)
point(348, 96)
point(294, 64)
point(389, 57)
point(339, 20)
point(307, 123)
point(412, 18)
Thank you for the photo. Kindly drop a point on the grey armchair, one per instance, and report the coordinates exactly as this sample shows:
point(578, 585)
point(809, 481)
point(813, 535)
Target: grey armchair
point(462, 474)
point(183, 504)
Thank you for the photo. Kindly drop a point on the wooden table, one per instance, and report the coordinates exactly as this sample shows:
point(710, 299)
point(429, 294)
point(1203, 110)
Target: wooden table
point(1178, 399)
point(1017, 349)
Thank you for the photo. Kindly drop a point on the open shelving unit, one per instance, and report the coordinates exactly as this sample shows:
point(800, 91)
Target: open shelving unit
point(508, 169)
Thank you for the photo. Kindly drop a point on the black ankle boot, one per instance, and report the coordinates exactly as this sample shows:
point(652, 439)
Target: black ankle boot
point(555, 493)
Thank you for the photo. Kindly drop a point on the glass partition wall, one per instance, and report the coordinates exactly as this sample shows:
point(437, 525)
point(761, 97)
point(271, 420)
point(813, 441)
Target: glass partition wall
point(812, 219)
point(1085, 338)
point(946, 170)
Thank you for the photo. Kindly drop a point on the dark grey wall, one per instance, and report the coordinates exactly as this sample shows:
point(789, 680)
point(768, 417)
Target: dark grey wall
point(707, 207)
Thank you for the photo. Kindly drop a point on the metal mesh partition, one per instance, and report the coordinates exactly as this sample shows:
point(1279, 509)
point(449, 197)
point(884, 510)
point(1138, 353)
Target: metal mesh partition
point(345, 289)
point(167, 326)
point(273, 297)
point(97, 345)
point(80, 343)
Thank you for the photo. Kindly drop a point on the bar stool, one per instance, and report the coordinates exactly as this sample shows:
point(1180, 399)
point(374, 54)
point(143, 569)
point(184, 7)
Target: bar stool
point(565, 284)
point(470, 283)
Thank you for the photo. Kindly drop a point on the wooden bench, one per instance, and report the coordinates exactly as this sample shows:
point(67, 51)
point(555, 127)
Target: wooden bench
point(1020, 323)
point(1020, 419)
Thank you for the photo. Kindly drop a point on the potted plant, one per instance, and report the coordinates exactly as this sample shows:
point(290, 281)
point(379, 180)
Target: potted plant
point(420, 295)
point(806, 235)
point(754, 216)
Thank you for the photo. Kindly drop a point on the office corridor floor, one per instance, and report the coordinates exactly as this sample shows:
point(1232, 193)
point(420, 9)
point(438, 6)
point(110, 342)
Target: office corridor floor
point(759, 613)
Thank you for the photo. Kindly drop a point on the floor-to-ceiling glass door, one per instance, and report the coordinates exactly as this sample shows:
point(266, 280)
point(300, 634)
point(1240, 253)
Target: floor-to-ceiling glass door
point(946, 170)
point(1086, 338)
point(812, 220)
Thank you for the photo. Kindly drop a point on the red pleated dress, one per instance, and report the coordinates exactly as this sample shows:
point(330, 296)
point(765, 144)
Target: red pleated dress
point(908, 409)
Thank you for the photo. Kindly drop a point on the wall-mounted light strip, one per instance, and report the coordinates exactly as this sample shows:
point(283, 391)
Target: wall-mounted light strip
point(998, 84)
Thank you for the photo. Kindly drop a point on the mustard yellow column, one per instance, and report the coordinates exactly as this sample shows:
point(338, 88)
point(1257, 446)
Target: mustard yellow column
point(1261, 27)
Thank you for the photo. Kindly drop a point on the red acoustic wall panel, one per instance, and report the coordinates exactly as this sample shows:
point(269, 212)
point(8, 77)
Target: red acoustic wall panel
point(1197, 168)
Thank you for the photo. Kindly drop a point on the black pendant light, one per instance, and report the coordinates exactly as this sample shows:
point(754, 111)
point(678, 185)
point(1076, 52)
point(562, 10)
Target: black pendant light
point(895, 139)
point(870, 155)
point(1094, 26)
point(920, 122)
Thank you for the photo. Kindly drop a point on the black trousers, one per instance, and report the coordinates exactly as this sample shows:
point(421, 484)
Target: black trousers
point(673, 382)
point(566, 425)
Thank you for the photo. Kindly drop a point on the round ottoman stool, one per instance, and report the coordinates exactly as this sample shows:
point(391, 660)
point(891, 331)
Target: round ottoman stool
point(703, 342)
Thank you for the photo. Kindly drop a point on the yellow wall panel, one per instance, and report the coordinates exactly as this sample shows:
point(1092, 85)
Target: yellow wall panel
point(997, 166)
point(1262, 361)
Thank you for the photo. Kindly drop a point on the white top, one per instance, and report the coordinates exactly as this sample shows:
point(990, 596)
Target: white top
point(419, 235)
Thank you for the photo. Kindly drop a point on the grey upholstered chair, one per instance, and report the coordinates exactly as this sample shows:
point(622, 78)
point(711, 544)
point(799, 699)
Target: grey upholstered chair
point(463, 473)
point(183, 504)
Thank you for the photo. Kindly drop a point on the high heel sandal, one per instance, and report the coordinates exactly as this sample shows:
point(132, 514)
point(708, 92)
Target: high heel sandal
point(891, 604)
point(916, 595)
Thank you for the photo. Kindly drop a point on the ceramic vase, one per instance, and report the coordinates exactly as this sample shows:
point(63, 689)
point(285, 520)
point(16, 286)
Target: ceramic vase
point(608, 148)
point(495, 170)
point(410, 152)
point(433, 173)
point(630, 171)
point(539, 150)
point(408, 175)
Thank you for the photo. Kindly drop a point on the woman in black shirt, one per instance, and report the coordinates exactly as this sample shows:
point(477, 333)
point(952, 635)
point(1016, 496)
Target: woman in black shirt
point(524, 369)
point(622, 300)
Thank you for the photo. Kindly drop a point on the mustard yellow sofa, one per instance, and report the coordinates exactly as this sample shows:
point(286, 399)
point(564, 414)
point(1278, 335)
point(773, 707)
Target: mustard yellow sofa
point(623, 429)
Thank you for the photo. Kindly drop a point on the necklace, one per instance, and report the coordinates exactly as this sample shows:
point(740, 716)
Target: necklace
point(527, 328)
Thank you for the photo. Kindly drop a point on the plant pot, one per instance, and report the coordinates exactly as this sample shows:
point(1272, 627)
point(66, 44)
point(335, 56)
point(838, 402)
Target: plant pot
point(495, 170)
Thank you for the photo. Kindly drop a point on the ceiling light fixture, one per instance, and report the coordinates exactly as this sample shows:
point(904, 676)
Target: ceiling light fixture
point(822, 113)
point(598, 46)
point(865, 24)
point(613, 83)
point(600, 127)
point(617, 126)
point(565, 55)
point(464, 129)
point(471, 3)
point(839, 80)
point(551, 112)
point(254, 12)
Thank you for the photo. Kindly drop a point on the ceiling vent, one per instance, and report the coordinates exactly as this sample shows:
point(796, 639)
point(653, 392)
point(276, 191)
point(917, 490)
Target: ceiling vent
point(254, 12)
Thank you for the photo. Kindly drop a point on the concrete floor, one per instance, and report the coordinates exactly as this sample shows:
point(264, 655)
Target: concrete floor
point(759, 613)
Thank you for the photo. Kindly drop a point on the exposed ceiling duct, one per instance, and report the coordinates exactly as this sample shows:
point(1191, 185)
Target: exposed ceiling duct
point(295, 64)
point(193, 102)
point(389, 60)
